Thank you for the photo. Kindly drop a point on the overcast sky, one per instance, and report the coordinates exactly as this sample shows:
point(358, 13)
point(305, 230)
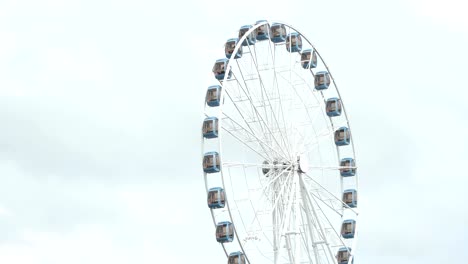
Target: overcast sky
point(101, 106)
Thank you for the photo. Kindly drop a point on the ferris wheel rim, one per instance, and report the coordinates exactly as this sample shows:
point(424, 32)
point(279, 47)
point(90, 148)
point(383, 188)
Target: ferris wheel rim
point(220, 145)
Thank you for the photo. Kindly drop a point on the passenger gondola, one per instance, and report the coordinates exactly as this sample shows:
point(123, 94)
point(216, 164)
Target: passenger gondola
point(220, 69)
point(210, 127)
point(224, 232)
point(342, 136)
point(322, 80)
point(263, 31)
point(344, 255)
point(348, 228)
point(236, 258)
point(229, 48)
point(251, 38)
point(294, 42)
point(213, 95)
point(333, 107)
point(308, 59)
point(216, 198)
point(350, 198)
point(348, 167)
point(211, 162)
point(278, 33)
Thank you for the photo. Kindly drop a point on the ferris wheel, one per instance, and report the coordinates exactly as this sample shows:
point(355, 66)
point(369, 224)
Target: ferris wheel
point(277, 153)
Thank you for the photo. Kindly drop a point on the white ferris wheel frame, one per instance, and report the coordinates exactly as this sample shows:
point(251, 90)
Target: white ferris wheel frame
point(305, 194)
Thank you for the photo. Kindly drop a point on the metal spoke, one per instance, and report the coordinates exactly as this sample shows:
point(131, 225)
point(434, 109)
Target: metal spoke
point(308, 202)
point(331, 197)
point(247, 145)
point(270, 104)
point(265, 146)
point(252, 133)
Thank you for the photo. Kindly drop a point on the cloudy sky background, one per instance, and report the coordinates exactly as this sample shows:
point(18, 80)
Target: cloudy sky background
point(101, 106)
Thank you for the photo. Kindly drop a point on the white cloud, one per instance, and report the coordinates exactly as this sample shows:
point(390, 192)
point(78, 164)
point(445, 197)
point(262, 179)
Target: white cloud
point(83, 65)
point(89, 174)
point(450, 13)
point(4, 212)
